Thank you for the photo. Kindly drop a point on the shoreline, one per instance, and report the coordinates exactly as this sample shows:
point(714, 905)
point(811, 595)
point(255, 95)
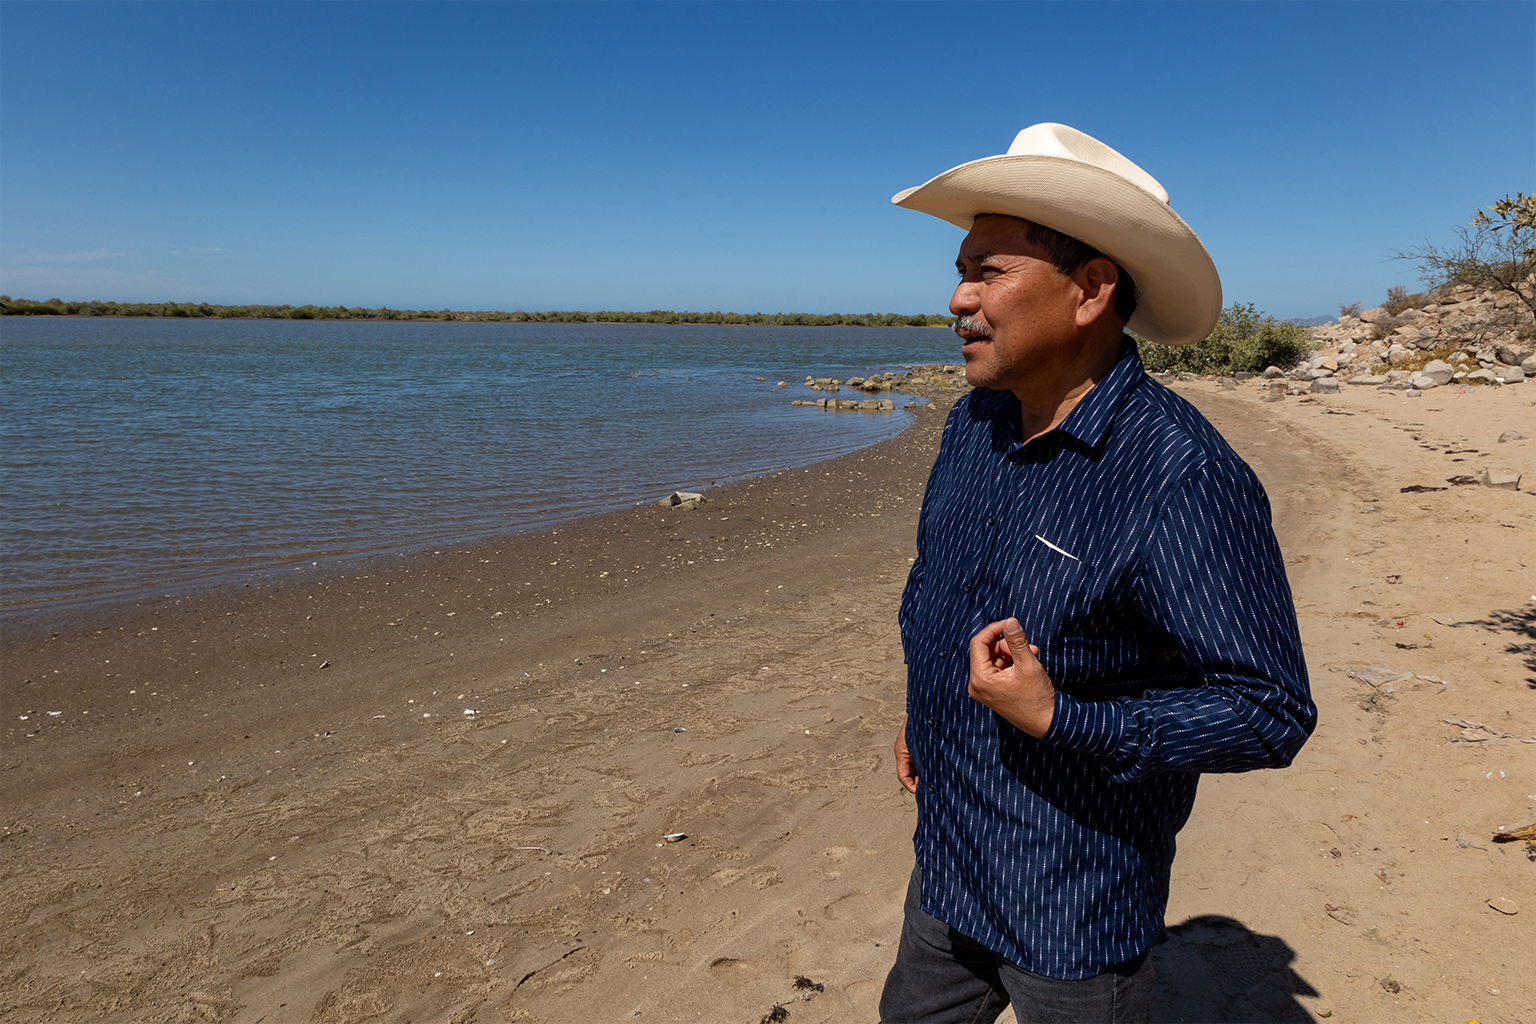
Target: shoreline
point(29, 617)
point(295, 817)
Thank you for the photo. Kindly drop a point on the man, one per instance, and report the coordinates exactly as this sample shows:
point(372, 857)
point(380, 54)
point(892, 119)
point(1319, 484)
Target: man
point(1098, 611)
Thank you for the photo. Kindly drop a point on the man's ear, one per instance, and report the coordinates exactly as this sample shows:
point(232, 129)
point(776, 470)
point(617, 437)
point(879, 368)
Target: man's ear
point(1098, 279)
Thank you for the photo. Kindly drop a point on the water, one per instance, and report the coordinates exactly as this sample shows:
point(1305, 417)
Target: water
point(146, 454)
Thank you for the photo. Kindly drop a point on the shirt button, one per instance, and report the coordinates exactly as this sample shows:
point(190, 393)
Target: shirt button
point(966, 587)
point(991, 520)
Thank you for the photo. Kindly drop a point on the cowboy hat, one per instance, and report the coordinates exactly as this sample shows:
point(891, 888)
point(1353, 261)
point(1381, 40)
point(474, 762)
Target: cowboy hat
point(1059, 177)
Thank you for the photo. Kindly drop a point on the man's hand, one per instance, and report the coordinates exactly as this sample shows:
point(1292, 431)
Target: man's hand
point(1006, 676)
point(906, 771)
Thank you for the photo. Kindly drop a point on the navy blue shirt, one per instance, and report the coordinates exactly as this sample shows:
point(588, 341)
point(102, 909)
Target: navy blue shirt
point(1135, 547)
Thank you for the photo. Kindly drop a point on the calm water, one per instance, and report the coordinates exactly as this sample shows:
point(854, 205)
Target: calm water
point(149, 453)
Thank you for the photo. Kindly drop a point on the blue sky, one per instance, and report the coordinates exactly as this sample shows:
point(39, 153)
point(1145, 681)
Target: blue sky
point(720, 156)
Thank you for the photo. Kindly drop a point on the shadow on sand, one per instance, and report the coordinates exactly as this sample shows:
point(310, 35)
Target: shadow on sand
point(1212, 969)
point(1520, 624)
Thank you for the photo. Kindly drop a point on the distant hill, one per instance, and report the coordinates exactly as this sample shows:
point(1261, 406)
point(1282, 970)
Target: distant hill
point(1311, 321)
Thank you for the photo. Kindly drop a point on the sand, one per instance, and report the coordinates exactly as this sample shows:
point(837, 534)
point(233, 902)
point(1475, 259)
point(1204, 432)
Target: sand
point(274, 804)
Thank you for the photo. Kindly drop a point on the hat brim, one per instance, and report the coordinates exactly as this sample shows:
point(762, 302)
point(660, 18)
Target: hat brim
point(1178, 288)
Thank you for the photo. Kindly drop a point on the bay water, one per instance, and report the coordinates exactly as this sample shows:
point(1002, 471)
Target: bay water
point(141, 456)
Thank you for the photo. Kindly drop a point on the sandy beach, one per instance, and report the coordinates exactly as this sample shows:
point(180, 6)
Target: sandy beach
point(641, 767)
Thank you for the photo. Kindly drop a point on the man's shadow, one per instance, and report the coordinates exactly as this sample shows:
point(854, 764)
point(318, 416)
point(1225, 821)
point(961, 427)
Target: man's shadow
point(1212, 969)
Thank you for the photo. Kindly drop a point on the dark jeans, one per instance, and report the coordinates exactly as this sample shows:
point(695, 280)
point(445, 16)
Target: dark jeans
point(941, 977)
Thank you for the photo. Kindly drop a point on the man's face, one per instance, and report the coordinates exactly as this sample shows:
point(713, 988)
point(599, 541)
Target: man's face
point(1018, 312)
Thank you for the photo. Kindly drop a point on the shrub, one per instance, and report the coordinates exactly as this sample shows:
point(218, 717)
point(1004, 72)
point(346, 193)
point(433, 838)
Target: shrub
point(1348, 309)
point(1244, 340)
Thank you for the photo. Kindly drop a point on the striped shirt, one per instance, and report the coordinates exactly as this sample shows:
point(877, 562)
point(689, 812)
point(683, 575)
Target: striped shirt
point(1135, 547)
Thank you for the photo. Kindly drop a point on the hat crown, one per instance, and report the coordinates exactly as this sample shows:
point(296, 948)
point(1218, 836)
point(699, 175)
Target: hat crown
point(1059, 140)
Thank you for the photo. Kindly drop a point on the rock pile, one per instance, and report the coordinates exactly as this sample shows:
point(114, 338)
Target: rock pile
point(942, 376)
point(1457, 334)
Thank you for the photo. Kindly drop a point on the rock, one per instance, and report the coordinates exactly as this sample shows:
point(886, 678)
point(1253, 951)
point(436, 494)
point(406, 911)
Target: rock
point(1422, 381)
point(1511, 435)
point(1272, 396)
point(1227, 384)
point(1412, 393)
point(1514, 352)
point(886, 405)
point(1316, 374)
point(1370, 316)
point(1297, 389)
point(781, 384)
point(1397, 355)
point(684, 500)
point(869, 405)
point(1438, 370)
point(1368, 378)
point(1504, 905)
point(1242, 375)
point(815, 387)
point(1529, 365)
point(1325, 386)
point(1273, 372)
point(1322, 361)
point(854, 382)
point(1511, 374)
point(1504, 479)
point(1486, 376)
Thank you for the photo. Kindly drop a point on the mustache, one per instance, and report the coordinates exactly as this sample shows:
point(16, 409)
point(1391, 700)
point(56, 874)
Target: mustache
point(972, 324)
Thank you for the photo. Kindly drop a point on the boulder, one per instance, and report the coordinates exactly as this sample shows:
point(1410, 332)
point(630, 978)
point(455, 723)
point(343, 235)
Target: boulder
point(1368, 378)
point(1397, 355)
point(1325, 386)
point(1529, 365)
point(1242, 375)
point(1370, 316)
point(1438, 370)
point(1485, 376)
point(1505, 479)
point(1514, 352)
point(1511, 435)
point(1273, 372)
point(1511, 374)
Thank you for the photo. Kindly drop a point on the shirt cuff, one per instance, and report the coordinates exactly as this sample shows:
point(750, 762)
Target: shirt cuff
point(1102, 728)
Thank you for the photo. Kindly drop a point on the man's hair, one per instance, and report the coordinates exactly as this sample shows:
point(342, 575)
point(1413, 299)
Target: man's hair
point(1068, 254)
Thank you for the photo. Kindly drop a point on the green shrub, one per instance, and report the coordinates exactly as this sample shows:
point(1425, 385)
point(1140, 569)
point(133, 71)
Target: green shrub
point(1244, 339)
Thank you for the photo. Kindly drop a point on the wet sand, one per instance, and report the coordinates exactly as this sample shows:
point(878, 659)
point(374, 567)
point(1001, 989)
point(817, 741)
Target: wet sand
point(271, 804)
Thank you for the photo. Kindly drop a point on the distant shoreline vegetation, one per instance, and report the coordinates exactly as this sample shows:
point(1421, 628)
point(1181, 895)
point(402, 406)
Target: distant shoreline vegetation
point(207, 311)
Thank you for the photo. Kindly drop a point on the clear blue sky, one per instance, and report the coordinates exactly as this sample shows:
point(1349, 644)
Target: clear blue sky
point(720, 156)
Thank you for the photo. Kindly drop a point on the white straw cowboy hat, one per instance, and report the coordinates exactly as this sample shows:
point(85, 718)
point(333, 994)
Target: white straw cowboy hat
point(1059, 177)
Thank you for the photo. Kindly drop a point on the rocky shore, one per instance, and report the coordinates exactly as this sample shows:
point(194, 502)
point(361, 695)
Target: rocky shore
point(1455, 334)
